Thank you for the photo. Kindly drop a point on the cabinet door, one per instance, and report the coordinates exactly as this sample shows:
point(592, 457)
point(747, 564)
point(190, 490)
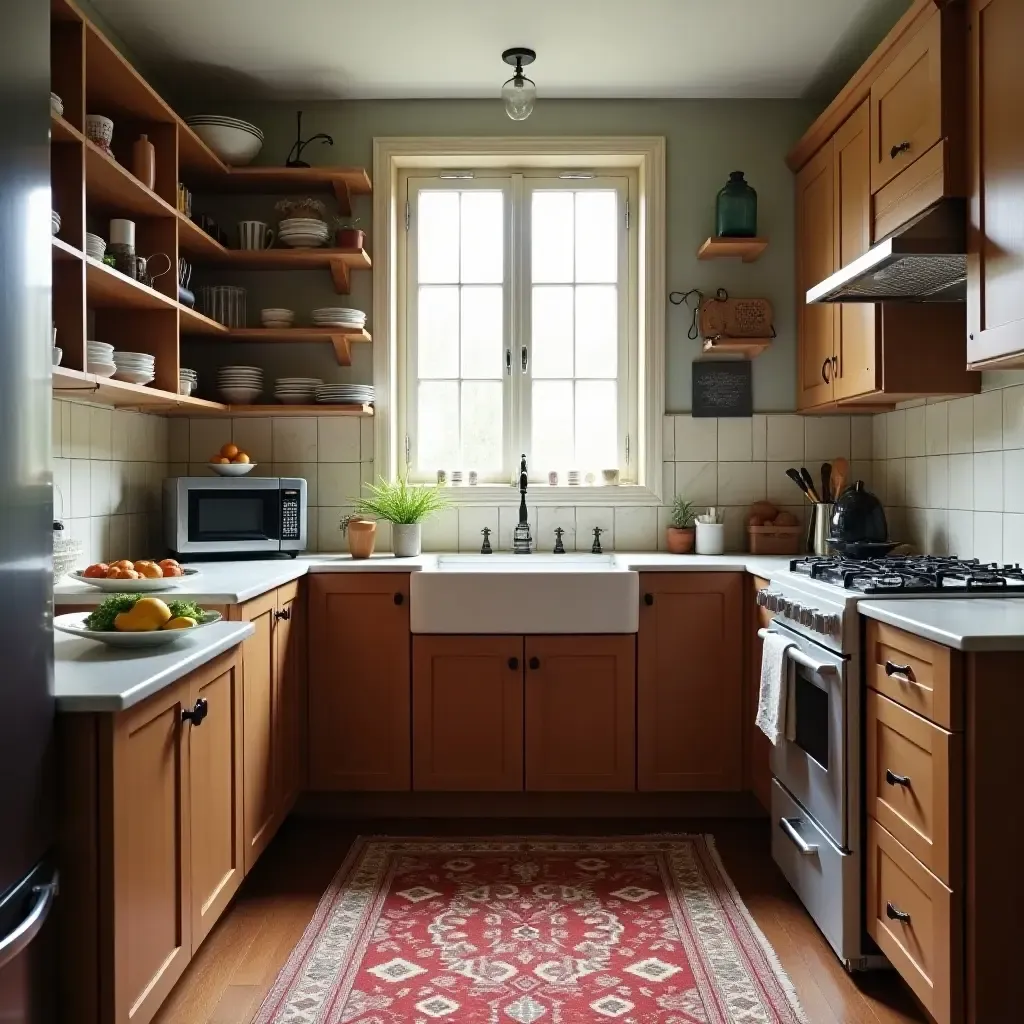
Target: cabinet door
point(995, 247)
point(757, 770)
point(215, 791)
point(359, 681)
point(467, 712)
point(290, 692)
point(857, 342)
point(150, 870)
point(906, 104)
point(690, 681)
point(261, 796)
point(580, 713)
point(816, 259)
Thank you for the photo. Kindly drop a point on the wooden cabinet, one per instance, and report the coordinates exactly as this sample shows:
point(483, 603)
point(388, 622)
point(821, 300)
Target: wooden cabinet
point(151, 841)
point(995, 263)
point(757, 769)
point(359, 681)
point(467, 713)
point(290, 692)
point(690, 681)
point(580, 713)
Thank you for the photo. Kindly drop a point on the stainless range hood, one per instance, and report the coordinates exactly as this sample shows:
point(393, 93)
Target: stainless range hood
point(924, 261)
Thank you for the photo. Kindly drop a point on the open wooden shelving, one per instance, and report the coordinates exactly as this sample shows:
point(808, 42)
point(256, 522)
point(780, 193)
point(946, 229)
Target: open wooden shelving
point(63, 251)
point(284, 410)
point(108, 184)
point(340, 337)
point(120, 393)
point(107, 288)
point(193, 322)
point(195, 242)
point(340, 262)
point(746, 249)
point(743, 348)
point(63, 131)
point(344, 182)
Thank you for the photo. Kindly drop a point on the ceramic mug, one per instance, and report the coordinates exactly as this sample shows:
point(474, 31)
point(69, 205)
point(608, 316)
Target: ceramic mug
point(255, 234)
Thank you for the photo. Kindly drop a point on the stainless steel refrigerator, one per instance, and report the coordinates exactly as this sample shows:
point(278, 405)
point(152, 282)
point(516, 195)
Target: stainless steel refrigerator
point(27, 872)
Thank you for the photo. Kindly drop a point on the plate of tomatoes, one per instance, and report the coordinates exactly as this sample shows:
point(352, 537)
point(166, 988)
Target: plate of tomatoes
point(127, 577)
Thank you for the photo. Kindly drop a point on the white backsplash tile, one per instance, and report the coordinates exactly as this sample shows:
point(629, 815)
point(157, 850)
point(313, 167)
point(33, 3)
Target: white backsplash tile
point(988, 536)
point(1013, 538)
point(589, 516)
point(668, 481)
point(961, 482)
point(914, 419)
point(101, 425)
point(960, 415)
point(896, 481)
point(826, 437)
point(861, 437)
point(366, 452)
point(988, 482)
point(338, 483)
point(878, 449)
point(668, 438)
point(329, 535)
point(441, 532)
point(988, 421)
point(254, 436)
point(785, 441)
point(740, 483)
point(938, 481)
point(960, 528)
point(735, 439)
point(917, 483)
point(1013, 480)
point(177, 442)
point(80, 488)
point(338, 439)
point(696, 439)
point(936, 531)
point(896, 434)
point(1013, 417)
point(308, 471)
point(99, 488)
point(207, 436)
point(294, 439)
point(508, 519)
point(636, 528)
point(880, 480)
point(779, 489)
point(80, 432)
point(758, 437)
point(697, 482)
point(61, 488)
point(937, 428)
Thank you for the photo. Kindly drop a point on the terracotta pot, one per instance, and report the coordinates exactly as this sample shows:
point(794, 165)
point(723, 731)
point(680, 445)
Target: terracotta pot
point(362, 534)
point(349, 238)
point(680, 542)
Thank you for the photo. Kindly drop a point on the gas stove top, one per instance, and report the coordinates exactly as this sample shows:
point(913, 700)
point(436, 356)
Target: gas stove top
point(915, 574)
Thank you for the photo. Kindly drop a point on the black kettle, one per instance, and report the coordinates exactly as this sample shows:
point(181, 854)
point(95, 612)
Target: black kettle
point(859, 527)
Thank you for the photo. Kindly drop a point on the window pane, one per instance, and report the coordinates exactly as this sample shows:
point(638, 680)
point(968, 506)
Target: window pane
point(483, 237)
point(596, 236)
point(438, 237)
point(438, 425)
point(596, 425)
point(482, 315)
point(552, 443)
point(438, 332)
point(551, 223)
point(551, 327)
point(481, 425)
point(597, 330)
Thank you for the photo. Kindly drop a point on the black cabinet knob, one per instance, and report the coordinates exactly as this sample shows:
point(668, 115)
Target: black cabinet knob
point(896, 780)
point(535, 663)
point(893, 914)
point(399, 598)
point(896, 150)
point(892, 669)
point(648, 599)
point(513, 663)
point(284, 613)
point(198, 712)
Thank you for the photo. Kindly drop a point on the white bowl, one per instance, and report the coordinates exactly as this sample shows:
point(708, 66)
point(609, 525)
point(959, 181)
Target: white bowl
point(102, 369)
point(100, 129)
point(276, 313)
point(235, 146)
point(185, 388)
point(121, 354)
point(296, 399)
point(133, 376)
point(135, 586)
point(232, 468)
point(100, 346)
point(57, 355)
point(239, 396)
point(56, 105)
point(233, 122)
point(74, 624)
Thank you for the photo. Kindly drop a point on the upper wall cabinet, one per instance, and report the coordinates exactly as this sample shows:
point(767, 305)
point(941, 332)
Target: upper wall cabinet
point(995, 243)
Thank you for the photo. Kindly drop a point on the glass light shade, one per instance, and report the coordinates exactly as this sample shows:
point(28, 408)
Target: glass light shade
point(519, 95)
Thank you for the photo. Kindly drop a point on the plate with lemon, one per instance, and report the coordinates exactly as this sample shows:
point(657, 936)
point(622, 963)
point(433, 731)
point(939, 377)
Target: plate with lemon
point(231, 461)
point(135, 620)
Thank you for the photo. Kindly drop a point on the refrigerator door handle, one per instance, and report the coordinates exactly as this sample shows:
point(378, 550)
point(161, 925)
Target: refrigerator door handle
point(13, 944)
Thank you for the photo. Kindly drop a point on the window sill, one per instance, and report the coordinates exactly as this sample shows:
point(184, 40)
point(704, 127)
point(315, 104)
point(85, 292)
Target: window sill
point(542, 494)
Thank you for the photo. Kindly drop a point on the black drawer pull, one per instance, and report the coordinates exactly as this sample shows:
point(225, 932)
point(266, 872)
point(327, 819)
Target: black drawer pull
point(284, 613)
point(896, 780)
point(399, 598)
point(513, 663)
point(197, 714)
point(535, 663)
point(648, 599)
point(896, 915)
point(896, 150)
point(892, 669)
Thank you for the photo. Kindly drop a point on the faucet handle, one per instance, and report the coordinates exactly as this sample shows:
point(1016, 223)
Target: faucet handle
point(559, 546)
point(596, 549)
point(485, 548)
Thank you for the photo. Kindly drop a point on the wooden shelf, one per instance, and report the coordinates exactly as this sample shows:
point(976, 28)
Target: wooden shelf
point(106, 288)
point(344, 182)
point(340, 262)
point(277, 410)
point(746, 249)
point(125, 395)
point(64, 131)
point(110, 184)
point(194, 241)
point(63, 251)
point(194, 322)
point(340, 337)
point(114, 87)
point(195, 156)
point(744, 348)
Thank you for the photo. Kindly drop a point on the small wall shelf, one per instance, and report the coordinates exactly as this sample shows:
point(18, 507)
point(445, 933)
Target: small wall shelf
point(107, 288)
point(340, 337)
point(339, 261)
point(344, 182)
point(281, 410)
point(744, 348)
point(106, 390)
point(746, 249)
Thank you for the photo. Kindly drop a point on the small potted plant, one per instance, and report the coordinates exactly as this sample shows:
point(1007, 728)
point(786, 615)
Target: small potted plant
point(361, 533)
point(347, 235)
point(681, 530)
point(403, 506)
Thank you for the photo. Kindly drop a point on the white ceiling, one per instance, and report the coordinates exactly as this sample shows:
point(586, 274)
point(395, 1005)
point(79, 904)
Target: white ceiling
point(375, 49)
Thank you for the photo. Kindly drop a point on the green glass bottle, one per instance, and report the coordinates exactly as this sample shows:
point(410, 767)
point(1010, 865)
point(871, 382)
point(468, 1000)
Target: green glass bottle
point(736, 209)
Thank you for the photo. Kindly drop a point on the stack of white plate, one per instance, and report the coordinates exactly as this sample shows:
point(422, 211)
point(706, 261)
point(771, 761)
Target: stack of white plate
point(235, 142)
point(100, 358)
point(188, 381)
point(134, 367)
point(345, 394)
point(277, 318)
point(95, 246)
point(56, 105)
point(302, 232)
point(54, 222)
point(240, 385)
point(297, 390)
point(339, 316)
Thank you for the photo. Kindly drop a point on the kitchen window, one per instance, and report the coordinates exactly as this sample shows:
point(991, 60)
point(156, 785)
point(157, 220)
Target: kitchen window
point(518, 323)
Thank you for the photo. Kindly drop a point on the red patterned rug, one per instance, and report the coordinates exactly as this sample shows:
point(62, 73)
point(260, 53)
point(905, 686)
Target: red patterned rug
point(516, 931)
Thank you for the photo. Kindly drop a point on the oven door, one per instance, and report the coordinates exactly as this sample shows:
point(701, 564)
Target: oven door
point(229, 515)
point(812, 767)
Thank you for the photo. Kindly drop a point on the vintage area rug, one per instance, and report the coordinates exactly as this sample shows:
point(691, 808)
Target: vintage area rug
point(516, 931)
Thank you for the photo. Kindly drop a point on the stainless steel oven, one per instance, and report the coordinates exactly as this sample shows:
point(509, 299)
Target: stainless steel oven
point(235, 515)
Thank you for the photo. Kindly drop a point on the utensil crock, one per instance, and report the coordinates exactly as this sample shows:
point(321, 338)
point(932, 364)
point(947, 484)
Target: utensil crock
point(362, 535)
point(819, 528)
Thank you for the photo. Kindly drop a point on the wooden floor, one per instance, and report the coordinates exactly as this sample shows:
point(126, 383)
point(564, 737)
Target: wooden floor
point(235, 967)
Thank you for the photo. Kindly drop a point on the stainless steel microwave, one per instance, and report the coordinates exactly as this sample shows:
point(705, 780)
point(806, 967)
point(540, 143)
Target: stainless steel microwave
point(213, 515)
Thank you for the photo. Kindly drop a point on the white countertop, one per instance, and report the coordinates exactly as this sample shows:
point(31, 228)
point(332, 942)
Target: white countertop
point(225, 583)
point(965, 624)
point(90, 676)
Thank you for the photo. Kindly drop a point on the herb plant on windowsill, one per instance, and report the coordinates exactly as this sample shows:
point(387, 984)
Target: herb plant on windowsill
point(681, 530)
point(405, 507)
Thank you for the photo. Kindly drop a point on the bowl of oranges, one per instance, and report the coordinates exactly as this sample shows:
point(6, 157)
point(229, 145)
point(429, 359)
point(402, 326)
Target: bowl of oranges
point(231, 461)
point(124, 576)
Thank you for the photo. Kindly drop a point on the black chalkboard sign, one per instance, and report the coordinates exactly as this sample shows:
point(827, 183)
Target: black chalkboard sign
point(722, 388)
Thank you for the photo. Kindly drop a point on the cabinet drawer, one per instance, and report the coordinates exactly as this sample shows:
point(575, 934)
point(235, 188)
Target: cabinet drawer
point(916, 922)
point(913, 784)
point(920, 675)
point(906, 104)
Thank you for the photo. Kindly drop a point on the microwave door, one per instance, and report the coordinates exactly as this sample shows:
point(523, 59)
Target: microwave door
point(234, 519)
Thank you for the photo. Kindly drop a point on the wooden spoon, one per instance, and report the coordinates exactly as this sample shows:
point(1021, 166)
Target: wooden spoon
point(840, 474)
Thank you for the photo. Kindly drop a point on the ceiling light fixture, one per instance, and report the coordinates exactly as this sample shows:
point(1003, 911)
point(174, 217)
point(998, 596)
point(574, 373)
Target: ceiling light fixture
point(519, 93)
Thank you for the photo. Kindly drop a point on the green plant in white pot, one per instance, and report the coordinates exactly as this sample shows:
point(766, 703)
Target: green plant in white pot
point(406, 508)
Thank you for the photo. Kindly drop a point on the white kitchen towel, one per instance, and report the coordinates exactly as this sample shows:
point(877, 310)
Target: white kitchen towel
point(776, 714)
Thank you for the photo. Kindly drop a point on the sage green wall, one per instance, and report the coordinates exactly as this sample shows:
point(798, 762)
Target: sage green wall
point(705, 140)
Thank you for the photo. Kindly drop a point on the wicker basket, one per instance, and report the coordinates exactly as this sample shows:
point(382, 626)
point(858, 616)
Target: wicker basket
point(775, 540)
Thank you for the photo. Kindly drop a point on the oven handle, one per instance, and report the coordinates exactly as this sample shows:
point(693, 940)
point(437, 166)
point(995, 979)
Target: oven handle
point(800, 658)
point(805, 848)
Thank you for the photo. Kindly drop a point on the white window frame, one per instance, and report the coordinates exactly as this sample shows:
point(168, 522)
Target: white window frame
point(646, 154)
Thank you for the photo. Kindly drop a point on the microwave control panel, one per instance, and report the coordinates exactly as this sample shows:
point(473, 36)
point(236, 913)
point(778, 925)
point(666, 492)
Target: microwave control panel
point(290, 514)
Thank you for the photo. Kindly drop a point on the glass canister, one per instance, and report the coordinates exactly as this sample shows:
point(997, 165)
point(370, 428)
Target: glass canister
point(736, 209)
